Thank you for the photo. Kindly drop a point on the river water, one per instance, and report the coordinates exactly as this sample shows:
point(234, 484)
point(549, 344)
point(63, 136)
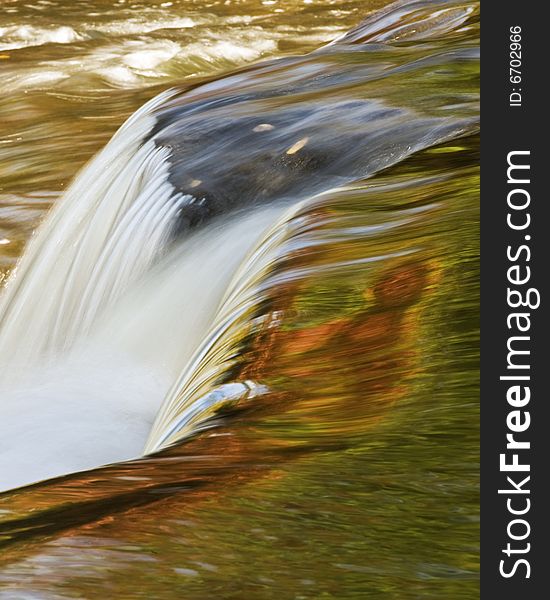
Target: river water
point(323, 442)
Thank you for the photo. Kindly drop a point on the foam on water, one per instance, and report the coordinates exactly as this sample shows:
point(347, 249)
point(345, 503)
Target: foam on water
point(135, 62)
point(23, 36)
point(15, 37)
point(96, 403)
point(90, 408)
point(143, 25)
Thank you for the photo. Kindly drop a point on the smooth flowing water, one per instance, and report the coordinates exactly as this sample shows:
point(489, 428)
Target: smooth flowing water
point(270, 280)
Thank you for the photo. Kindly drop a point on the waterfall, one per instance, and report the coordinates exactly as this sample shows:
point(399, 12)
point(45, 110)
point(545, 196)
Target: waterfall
point(118, 319)
point(106, 231)
point(95, 402)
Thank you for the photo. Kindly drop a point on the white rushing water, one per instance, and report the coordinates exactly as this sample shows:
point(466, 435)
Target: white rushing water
point(96, 403)
point(99, 319)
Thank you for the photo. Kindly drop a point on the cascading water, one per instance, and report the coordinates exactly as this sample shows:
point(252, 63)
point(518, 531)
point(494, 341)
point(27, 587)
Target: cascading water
point(239, 356)
point(124, 297)
point(100, 397)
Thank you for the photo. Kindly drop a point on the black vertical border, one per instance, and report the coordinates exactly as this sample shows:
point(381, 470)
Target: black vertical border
point(507, 128)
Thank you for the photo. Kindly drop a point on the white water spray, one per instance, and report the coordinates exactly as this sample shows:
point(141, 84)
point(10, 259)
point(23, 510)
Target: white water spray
point(99, 319)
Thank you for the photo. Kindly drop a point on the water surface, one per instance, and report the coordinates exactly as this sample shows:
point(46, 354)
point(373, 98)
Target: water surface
point(354, 472)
